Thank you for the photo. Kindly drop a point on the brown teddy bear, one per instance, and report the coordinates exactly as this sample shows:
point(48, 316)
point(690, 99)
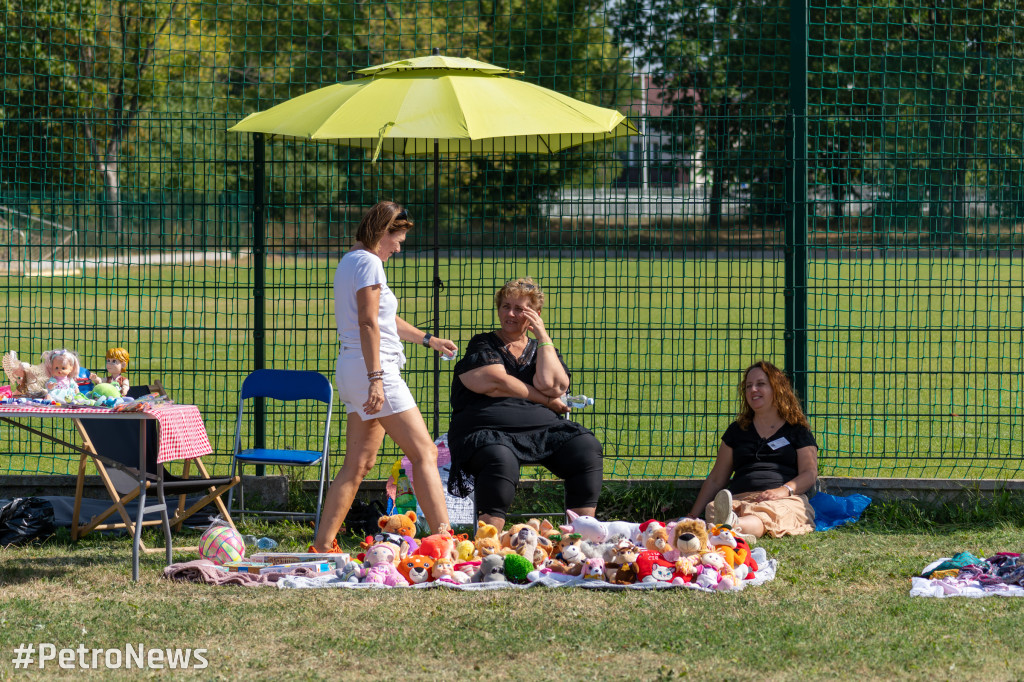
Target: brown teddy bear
point(399, 524)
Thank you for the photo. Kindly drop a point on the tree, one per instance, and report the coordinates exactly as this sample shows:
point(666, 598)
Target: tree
point(87, 67)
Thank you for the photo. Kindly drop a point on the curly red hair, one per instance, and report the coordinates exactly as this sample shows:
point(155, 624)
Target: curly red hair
point(785, 399)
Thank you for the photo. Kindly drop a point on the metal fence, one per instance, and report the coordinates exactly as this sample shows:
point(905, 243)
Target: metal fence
point(835, 186)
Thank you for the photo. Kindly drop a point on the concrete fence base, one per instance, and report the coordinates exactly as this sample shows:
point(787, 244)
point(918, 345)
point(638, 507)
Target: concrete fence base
point(271, 492)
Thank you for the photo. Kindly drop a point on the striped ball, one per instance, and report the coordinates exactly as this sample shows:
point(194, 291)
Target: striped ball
point(222, 544)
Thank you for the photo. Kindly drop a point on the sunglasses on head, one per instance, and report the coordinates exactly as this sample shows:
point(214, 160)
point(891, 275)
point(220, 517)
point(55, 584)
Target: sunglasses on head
point(402, 215)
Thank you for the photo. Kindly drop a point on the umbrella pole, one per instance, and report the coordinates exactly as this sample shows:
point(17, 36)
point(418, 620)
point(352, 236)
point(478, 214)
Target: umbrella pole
point(437, 290)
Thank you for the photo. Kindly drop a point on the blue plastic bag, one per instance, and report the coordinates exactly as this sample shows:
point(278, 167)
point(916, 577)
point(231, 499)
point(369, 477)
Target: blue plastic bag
point(831, 511)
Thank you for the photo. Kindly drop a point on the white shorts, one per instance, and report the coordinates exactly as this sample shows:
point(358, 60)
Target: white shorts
point(353, 386)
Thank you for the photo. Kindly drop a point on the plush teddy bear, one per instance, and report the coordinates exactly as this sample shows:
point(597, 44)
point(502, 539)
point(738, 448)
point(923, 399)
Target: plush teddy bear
point(399, 524)
point(658, 541)
point(492, 569)
point(415, 568)
point(646, 528)
point(690, 538)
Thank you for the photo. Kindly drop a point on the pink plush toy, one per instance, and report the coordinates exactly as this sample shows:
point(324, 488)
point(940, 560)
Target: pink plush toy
point(593, 569)
point(714, 572)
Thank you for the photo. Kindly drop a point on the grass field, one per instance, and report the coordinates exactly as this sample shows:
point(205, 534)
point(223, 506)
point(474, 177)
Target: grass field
point(838, 609)
point(915, 362)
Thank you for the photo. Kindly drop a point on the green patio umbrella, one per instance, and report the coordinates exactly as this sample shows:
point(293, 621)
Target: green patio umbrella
point(410, 106)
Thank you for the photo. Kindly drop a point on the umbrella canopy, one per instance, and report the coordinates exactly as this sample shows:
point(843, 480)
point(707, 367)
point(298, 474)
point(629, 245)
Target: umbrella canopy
point(404, 106)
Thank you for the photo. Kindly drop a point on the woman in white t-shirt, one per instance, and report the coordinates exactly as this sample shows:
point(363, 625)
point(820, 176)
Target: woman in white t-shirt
point(377, 400)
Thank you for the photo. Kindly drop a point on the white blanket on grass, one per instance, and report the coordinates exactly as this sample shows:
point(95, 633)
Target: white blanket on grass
point(765, 573)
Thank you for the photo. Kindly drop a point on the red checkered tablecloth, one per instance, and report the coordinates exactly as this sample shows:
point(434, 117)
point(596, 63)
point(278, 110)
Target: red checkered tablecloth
point(182, 432)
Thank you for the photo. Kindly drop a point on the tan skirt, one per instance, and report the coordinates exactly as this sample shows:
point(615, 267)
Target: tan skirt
point(787, 516)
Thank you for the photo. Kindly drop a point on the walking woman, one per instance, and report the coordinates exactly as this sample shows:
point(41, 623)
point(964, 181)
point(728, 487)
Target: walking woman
point(377, 400)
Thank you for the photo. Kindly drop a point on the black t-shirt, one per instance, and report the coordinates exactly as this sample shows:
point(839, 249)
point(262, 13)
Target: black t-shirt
point(764, 463)
point(529, 429)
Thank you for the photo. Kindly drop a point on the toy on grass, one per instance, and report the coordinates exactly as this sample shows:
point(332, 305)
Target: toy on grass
point(444, 572)
point(486, 542)
point(652, 567)
point(380, 565)
point(714, 572)
point(593, 569)
point(117, 363)
point(465, 549)
point(690, 538)
point(569, 550)
point(492, 569)
point(521, 539)
point(62, 368)
point(658, 540)
point(646, 529)
point(416, 568)
point(517, 568)
point(437, 546)
point(221, 544)
point(599, 531)
point(399, 524)
point(728, 543)
point(623, 570)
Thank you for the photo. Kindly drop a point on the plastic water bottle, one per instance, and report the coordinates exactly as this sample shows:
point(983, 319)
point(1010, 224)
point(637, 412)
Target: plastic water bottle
point(405, 498)
point(577, 402)
point(266, 544)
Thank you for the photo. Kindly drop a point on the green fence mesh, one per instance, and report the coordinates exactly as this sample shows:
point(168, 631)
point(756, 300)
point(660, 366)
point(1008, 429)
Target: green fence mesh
point(836, 186)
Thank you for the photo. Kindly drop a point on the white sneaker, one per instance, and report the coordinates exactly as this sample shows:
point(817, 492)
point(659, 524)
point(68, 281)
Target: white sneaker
point(723, 509)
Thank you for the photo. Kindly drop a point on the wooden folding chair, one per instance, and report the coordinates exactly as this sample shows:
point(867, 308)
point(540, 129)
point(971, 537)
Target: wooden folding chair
point(114, 446)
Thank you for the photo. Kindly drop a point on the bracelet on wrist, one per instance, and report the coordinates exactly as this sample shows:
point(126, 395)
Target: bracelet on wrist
point(380, 379)
point(546, 343)
point(375, 374)
point(789, 488)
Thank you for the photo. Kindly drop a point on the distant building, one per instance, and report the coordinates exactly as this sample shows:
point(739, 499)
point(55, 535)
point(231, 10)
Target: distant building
point(667, 166)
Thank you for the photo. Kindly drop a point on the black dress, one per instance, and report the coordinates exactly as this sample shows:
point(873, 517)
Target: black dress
point(529, 429)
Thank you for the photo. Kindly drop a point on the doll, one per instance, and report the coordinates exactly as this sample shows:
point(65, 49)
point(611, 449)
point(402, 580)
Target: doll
point(62, 368)
point(117, 363)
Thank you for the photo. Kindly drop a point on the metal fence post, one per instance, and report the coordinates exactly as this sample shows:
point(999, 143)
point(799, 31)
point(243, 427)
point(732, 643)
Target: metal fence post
point(796, 215)
point(259, 262)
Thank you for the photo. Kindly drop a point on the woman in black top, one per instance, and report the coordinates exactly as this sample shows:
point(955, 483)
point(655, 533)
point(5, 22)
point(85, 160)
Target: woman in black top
point(506, 412)
point(768, 459)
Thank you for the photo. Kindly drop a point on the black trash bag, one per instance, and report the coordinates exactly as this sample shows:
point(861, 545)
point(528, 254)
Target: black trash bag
point(362, 518)
point(24, 520)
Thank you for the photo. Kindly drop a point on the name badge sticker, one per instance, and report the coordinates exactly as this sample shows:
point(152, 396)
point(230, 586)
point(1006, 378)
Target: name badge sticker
point(779, 443)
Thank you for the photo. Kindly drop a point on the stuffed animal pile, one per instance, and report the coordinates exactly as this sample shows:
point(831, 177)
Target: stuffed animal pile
point(675, 553)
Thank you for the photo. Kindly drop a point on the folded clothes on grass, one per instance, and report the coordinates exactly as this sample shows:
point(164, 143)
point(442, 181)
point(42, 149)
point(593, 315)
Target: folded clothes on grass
point(965, 575)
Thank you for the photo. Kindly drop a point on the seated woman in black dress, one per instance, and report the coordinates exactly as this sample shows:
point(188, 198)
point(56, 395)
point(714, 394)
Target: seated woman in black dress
point(768, 460)
point(506, 412)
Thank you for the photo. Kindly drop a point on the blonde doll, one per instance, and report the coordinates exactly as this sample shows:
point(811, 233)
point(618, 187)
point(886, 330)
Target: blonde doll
point(62, 368)
point(117, 363)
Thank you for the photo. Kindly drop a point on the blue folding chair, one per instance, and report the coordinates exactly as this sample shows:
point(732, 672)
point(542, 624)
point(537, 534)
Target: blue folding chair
point(288, 386)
